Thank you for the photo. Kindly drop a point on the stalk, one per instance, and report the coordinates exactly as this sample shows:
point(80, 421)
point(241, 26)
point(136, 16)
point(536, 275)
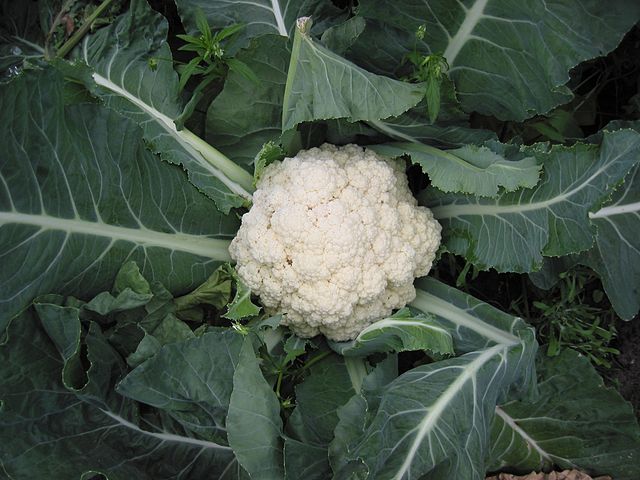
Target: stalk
point(357, 371)
point(217, 159)
point(303, 25)
point(82, 31)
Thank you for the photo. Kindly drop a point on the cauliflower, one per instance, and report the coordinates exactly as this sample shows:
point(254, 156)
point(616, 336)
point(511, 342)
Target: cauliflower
point(334, 240)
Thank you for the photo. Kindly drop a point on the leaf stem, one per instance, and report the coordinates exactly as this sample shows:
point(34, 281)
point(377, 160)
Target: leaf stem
point(82, 31)
point(279, 382)
point(314, 360)
point(216, 158)
point(293, 66)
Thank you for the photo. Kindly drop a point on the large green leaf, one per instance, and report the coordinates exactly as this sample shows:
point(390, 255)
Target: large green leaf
point(469, 169)
point(133, 67)
point(473, 324)
point(576, 422)
point(514, 230)
point(305, 462)
point(191, 380)
point(329, 385)
point(246, 115)
point(616, 254)
point(53, 430)
point(507, 60)
point(322, 85)
point(450, 130)
point(253, 422)
point(80, 195)
point(436, 418)
point(259, 17)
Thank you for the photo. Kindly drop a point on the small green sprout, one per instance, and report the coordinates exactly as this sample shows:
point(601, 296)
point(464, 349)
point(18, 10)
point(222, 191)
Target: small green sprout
point(211, 61)
point(429, 69)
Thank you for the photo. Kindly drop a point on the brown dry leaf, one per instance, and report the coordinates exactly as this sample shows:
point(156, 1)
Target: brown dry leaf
point(564, 475)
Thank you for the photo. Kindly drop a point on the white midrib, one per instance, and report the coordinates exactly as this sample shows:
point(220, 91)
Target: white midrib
point(277, 13)
point(449, 211)
point(213, 248)
point(436, 410)
point(471, 19)
point(428, 303)
point(165, 437)
point(516, 428)
point(181, 136)
point(616, 210)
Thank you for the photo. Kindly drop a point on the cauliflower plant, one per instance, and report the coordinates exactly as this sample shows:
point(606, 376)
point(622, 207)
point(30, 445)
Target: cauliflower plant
point(334, 240)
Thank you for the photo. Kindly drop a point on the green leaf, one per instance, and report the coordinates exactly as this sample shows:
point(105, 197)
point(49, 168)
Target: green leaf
point(294, 346)
point(254, 424)
point(62, 324)
point(119, 56)
point(474, 325)
point(576, 422)
point(509, 61)
point(340, 37)
point(401, 332)
point(245, 116)
point(215, 291)
point(451, 129)
point(436, 418)
point(470, 169)
point(187, 70)
point(243, 69)
point(228, 31)
point(350, 427)
point(258, 17)
point(305, 462)
point(86, 213)
point(269, 153)
point(104, 303)
point(329, 385)
point(129, 276)
point(48, 430)
point(322, 85)
point(514, 230)
point(191, 380)
point(616, 254)
point(432, 95)
point(241, 305)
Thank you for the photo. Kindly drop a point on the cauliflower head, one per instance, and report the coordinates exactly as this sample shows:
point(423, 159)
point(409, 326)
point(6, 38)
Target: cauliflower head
point(334, 240)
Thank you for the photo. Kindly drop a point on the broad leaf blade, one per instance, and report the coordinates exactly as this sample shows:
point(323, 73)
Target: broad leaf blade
point(191, 380)
point(509, 61)
point(120, 56)
point(48, 430)
point(245, 115)
point(253, 422)
point(305, 462)
point(419, 422)
point(513, 231)
point(469, 169)
point(473, 324)
point(398, 333)
point(80, 189)
point(259, 17)
point(575, 423)
point(435, 418)
point(616, 255)
point(322, 85)
point(329, 385)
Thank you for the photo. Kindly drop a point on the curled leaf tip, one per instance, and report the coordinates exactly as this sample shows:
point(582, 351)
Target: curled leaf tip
point(303, 24)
